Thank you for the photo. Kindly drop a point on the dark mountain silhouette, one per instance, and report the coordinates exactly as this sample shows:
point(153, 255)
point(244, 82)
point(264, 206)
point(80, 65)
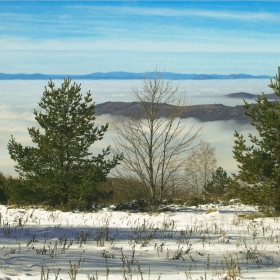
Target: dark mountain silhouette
point(204, 113)
point(246, 95)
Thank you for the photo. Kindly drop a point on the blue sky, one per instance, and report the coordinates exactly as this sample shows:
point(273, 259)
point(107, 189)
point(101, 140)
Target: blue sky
point(78, 37)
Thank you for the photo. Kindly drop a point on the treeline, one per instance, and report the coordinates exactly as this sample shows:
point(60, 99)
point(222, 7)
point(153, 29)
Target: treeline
point(154, 159)
point(14, 191)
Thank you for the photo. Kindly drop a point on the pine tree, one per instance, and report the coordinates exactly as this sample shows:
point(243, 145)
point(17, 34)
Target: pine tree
point(259, 163)
point(219, 185)
point(59, 166)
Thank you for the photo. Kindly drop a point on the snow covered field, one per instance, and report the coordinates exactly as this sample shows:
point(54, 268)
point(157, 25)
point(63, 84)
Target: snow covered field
point(185, 243)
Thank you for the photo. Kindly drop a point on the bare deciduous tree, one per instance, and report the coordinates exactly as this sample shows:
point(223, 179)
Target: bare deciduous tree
point(199, 167)
point(155, 140)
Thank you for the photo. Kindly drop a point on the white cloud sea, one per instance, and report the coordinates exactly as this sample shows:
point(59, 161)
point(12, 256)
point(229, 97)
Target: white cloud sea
point(20, 98)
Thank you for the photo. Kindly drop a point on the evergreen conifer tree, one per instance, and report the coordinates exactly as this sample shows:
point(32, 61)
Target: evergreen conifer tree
point(219, 184)
point(259, 162)
point(3, 194)
point(59, 168)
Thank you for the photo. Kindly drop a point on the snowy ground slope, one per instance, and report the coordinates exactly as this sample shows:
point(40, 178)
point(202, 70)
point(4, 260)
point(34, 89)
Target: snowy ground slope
point(183, 244)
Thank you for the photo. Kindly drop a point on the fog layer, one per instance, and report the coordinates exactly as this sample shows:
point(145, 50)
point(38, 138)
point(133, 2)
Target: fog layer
point(19, 99)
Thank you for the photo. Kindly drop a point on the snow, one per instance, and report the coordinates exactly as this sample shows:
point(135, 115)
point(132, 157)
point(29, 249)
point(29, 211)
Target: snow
point(184, 243)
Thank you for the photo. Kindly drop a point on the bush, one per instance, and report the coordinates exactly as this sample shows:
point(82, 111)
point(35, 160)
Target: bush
point(139, 205)
point(3, 195)
point(19, 192)
point(195, 200)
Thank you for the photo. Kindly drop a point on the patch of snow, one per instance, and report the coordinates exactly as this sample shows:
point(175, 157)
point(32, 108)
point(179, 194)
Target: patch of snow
point(184, 243)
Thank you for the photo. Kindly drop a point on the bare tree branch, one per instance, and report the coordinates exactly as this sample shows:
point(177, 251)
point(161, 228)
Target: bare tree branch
point(200, 166)
point(154, 140)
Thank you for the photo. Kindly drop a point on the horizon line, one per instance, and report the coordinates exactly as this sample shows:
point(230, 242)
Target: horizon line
point(126, 75)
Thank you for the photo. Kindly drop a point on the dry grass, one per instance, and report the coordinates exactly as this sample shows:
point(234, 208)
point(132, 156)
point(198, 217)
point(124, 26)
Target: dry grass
point(252, 216)
point(211, 210)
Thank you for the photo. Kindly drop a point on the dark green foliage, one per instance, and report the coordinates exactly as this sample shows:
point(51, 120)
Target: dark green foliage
point(59, 168)
point(259, 162)
point(14, 191)
point(19, 192)
point(218, 186)
point(140, 205)
point(3, 192)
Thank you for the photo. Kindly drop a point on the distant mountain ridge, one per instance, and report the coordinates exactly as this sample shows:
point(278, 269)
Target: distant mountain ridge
point(246, 95)
point(204, 113)
point(128, 76)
